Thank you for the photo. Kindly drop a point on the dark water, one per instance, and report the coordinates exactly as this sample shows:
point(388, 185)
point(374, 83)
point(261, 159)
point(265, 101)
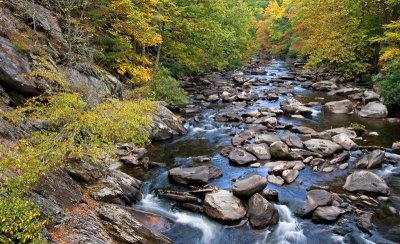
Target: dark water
point(207, 137)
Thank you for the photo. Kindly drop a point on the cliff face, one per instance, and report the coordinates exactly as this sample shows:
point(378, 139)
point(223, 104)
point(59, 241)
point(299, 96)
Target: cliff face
point(85, 202)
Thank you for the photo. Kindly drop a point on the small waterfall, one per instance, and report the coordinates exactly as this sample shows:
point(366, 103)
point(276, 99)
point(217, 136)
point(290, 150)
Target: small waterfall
point(209, 230)
point(288, 230)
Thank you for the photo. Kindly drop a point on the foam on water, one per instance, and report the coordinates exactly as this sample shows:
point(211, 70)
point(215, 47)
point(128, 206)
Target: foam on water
point(208, 229)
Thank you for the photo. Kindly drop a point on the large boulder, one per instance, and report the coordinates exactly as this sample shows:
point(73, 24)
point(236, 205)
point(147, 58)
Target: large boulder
point(374, 110)
point(261, 151)
point(166, 124)
point(276, 180)
point(366, 182)
point(371, 160)
point(279, 150)
point(292, 106)
point(323, 147)
point(261, 212)
point(247, 187)
point(125, 228)
point(241, 157)
point(325, 86)
point(223, 205)
point(293, 141)
point(195, 175)
point(327, 214)
point(267, 138)
point(345, 141)
point(339, 107)
point(316, 198)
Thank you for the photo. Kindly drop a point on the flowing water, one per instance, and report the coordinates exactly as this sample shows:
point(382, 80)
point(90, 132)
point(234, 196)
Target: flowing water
point(207, 137)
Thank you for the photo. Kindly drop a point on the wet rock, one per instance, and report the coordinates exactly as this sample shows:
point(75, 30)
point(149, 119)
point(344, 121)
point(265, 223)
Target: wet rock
point(324, 86)
point(290, 175)
point(279, 150)
point(178, 196)
point(223, 205)
point(342, 130)
point(344, 156)
point(371, 160)
point(271, 195)
point(366, 182)
point(226, 150)
point(165, 125)
point(316, 162)
point(374, 110)
point(193, 208)
point(370, 96)
point(345, 141)
point(261, 212)
point(267, 138)
point(247, 187)
point(281, 166)
point(261, 151)
point(276, 180)
point(324, 147)
point(195, 175)
point(364, 222)
point(303, 130)
point(292, 106)
point(228, 117)
point(241, 157)
point(237, 141)
point(272, 96)
point(316, 198)
point(126, 229)
point(293, 141)
point(327, 214)
point(339, 107)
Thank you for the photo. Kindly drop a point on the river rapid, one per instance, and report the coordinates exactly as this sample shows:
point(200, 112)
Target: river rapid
point(206, 137)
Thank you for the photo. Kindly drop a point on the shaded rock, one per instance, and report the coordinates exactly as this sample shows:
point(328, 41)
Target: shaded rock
point(126, 229)
point(241, 157)
point(328, 169)
point(237, 141)
point(279, 150)
point(339, 107)
point(324, 147)
point(269, 121)
point(271, 195)
point(276, 180)
point(306, 153)
point(342, 130)
point(290, 175)
point(292, 106)
point(345, 141)
point(374, 110)
point(165, 125)
point(261, 212)
point(344, 156)
point(117, 187)
point(396, 147)
point(371, 160)
point(48, 209)
point(343, 166)
point(366, 182)
point(247, 187)
point(316, 198)
point(293, 141)
point(195, 175)
point(316, 162)
point(282, 166)
point(327, 214)
point(178, 196)
point(370, 96)
point(267, 138)
point(86, 172)
point(303, 130)
point(223, 205)
point(261, 151)
point(228, 117)
point(324, 86)
point(364, 222)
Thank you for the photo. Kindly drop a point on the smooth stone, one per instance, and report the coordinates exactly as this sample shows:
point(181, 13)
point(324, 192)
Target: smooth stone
point(366, 182)
point(261, 151)
point(279, 150)
point(290, 175)
point(339, 107)
point(327, 214)
point(223, 205)
point(371, 160)
point(323, 147)
point(345, 141)
point(293, 141)
point(247, 187)
point(276, 180)
point(241, 157)
point(261, 212)
point(374, 110)
point(267, 138)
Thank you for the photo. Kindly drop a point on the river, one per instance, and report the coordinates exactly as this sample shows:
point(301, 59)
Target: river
point(206, 137)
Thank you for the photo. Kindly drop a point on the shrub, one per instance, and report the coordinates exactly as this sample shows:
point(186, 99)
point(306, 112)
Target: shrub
point(167, 88)
point(389, 88)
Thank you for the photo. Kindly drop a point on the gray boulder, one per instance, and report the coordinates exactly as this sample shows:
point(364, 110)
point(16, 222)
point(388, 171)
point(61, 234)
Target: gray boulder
point(339, 107)
point(223, 205)
point(267, 138)
point(371, 160)
point(241, 157)
point(345, 141)
point(279, 150)
point(366, 182)
point(290, 175)
point(325, 86)
point(195, 175)
point(261, 151)
point(374, 110)
point(323, 147)
point(293, 141)
point(261, 212)
point(247, 187)
point(327, 214)
point(292, 106)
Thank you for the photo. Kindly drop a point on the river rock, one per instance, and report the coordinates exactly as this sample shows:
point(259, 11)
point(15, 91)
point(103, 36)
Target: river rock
point(396, 147)
point(281, 166)
point(166, 125)
point(316, 198)
point(292, 106)
point(366, 182)
point(324, 86)
point(327, 214)
point(342, 130)
point(293, 141)
point(371, 160)
point(247, 187)
point(339, 107)
point(279, 150)
point(374, 110)
point(344, 156)
point(267, 138)
point(261, 151)
point(345, 141)
point(364, 221)
point(323, 147)
point(271, 195)
point(223, 205)
point(261, 212)
point(241, 157)
point(370, 96)
point(195, 175)
point(303, 130)
point(290, 175)
point(276, 180)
